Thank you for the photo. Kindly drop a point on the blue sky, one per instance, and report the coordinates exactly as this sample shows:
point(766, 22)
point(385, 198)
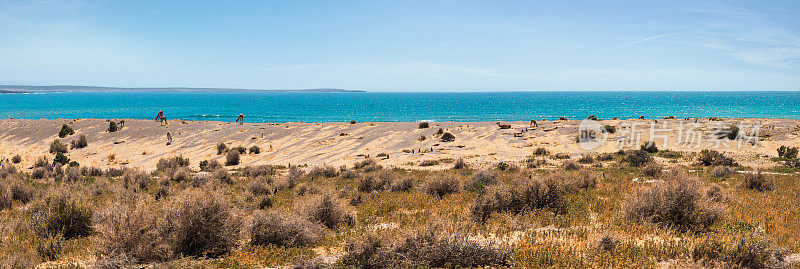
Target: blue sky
point(404, 45)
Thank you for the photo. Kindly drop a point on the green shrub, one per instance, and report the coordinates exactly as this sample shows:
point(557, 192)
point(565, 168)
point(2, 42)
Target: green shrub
point(541, 152)
point(60, 159)
point(209, 165)
point(586, 158)
point(479, 181)
point(56, 146)
point(232, 158)
point(428, 163)
point(255, 150)
point(112, 127)
point(65, 131)
point(651, 170)
point(447, 137)
point(649, 147)
point(610, 128)
point(240, 149)
point(259, 171)
point(423, 125)
point(16, 159)
point(79, 143)
point(713, 158)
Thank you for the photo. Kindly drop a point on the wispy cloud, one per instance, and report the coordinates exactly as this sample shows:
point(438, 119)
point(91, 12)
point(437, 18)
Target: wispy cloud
point(403, 69)
point(752, 38)
point(563, 50)
point(636, 42)
point(294, 67)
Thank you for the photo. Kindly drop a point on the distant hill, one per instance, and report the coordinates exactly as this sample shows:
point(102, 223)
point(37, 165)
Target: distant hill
point(72, 88)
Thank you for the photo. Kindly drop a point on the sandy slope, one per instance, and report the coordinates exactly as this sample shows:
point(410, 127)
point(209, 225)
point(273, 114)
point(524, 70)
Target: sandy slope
point(142, 142)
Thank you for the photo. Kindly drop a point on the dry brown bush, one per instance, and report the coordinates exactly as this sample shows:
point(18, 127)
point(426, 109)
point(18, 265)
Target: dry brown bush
point(133, 229)
point(758, 181)
point(676, 204)
point(651, 170)
point(61, 214)
point(286, 230)
point(323, 171)
point(440, 186)
point(326, 210)
point(201, 222)
point(259, 171)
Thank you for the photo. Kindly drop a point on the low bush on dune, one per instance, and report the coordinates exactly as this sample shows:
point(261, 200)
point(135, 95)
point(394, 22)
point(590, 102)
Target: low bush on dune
point(714, 158)
point(112, 127)
point(202, 223)
point(79, 143)
point(610, 128)
point(636, 158)
point(255, 150)
point(65, 131)
point(323, 171)
point(425, 249)
point(325, 210)
point(440, 186)
point(133, 229)
point(560, 156)
point(209, 165)
point(423, 125)
point(541, 152)
point(60, 159)
point(459, 164)
point(650, 147)
point(758, 181)
point(56, 146)
point(367, 165)
point(447, 137)
point(16, 159)
point(232, 158)
point(286, 230)
point(59, 214)
point(676, 204)
point(165, 164)
point(240, 149)
point(221, 148)
point(222, 175)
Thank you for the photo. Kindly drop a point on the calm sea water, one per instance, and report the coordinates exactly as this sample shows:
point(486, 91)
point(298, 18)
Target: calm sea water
point(333, 107)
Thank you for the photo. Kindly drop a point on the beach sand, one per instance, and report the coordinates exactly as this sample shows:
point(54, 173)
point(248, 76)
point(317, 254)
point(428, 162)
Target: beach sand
point(141, 143)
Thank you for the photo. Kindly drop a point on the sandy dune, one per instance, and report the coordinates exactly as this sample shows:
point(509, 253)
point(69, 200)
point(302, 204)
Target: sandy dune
point(143, 142)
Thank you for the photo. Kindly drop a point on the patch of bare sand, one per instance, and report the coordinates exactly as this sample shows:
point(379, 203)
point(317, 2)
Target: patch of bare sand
point(141, 143)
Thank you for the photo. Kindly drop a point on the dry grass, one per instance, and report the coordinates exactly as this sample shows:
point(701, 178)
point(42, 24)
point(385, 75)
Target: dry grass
point(596, 217)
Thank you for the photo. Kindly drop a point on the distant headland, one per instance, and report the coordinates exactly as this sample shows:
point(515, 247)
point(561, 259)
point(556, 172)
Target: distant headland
point(74, 88)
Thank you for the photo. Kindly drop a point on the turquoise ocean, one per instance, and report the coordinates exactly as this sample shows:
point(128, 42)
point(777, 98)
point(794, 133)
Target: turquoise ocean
point(380, 106)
